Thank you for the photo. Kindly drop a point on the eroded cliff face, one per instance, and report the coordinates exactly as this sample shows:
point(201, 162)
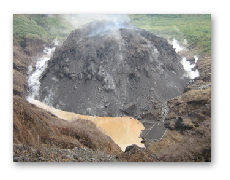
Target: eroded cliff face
point(106, 69)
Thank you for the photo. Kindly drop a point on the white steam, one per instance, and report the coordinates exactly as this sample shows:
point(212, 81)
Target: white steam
point(186, 64)
point(41, 65)
point(188, 68)
point(56, 42)
point(77, 20)
point(176, 46)
point(196, 59)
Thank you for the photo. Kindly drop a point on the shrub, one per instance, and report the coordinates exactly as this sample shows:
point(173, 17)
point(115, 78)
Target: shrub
point(40, 26)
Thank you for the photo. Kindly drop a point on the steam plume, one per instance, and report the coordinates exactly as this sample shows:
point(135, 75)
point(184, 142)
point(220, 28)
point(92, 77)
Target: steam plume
point(188, 68)
point(77, 20)
point(176, 46)
point(41, 65)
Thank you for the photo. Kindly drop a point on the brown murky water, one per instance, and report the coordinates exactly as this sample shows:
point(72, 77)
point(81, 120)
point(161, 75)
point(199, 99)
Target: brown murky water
point(124, 131)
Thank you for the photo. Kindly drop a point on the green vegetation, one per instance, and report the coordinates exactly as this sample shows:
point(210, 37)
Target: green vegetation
point(40, 26)
point(196, 28)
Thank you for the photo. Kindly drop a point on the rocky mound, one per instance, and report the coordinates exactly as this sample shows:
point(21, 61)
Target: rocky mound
point(112, 69)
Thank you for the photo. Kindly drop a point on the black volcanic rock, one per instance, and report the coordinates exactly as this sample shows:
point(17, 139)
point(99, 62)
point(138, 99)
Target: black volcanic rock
point(104, 68)
point(129, 109)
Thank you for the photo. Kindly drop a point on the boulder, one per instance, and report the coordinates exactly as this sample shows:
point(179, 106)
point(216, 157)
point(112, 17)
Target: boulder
point(134, 153)
point(180, 124)
point(129, 109)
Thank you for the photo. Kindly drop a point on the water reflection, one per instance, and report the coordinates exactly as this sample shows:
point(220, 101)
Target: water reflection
point(124, 131)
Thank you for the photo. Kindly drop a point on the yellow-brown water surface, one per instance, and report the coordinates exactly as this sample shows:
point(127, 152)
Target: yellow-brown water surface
point(124, 131)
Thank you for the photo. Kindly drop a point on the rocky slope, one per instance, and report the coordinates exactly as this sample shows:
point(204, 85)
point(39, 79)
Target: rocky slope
point(105, 69)
point(188, 137)
point(40, 136)
point(35, 128)
point(24, 153)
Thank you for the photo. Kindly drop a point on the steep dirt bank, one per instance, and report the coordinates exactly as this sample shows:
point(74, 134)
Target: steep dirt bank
point(21, 61)
point(31, 122)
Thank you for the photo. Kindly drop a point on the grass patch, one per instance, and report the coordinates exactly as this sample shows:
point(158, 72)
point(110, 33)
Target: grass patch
point(195, 28)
